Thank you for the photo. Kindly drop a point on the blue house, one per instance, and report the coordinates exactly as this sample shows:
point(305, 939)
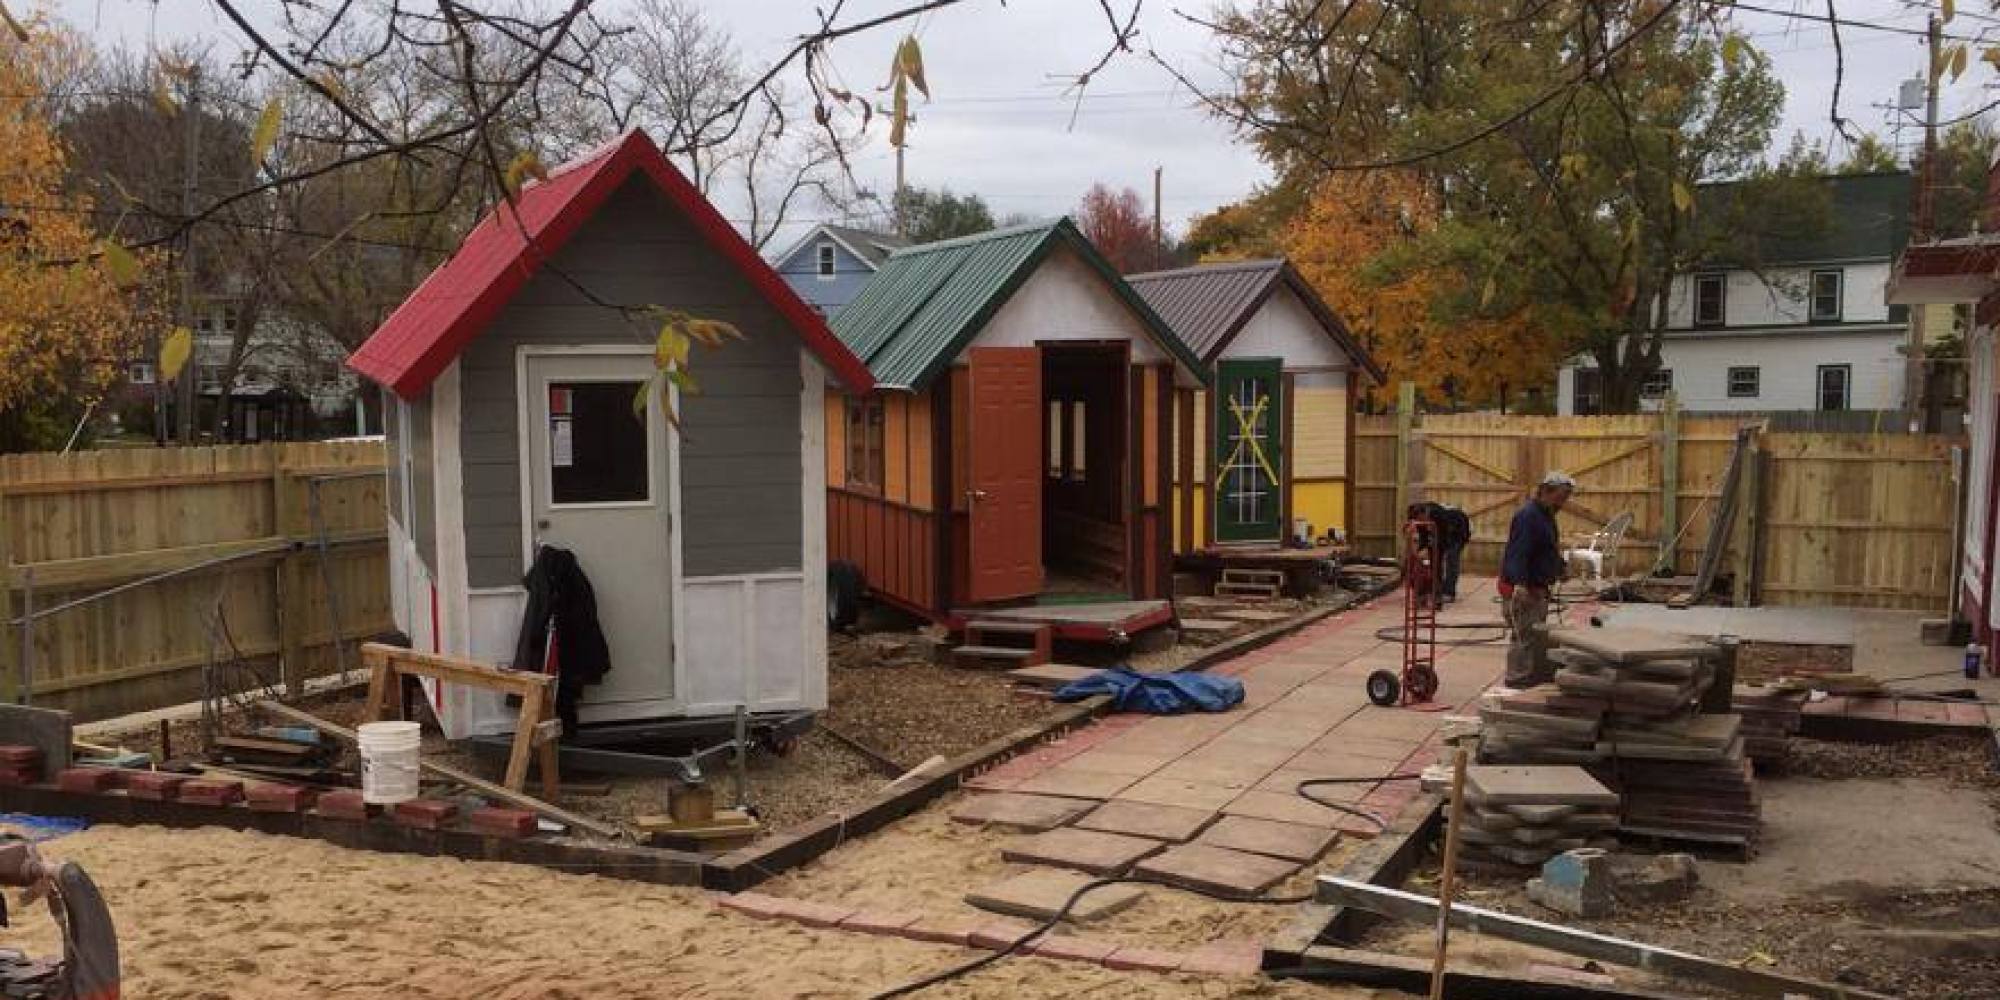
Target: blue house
point(828, 267)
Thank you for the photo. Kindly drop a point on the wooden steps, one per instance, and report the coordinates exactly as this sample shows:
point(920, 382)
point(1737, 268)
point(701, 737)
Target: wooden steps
point(1251, 584)
point(1010, 645)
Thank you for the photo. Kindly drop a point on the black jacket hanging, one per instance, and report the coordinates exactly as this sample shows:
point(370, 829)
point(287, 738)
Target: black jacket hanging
point(560, 597)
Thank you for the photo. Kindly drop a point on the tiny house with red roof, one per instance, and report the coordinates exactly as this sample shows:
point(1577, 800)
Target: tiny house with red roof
point(511, 378)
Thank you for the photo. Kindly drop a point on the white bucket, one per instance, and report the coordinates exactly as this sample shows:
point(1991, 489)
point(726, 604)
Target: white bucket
point(389, 761)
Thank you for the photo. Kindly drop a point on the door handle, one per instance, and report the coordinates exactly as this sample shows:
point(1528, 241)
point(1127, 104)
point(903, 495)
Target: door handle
point(975, 494)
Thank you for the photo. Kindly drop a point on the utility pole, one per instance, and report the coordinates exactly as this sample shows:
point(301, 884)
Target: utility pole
point(1918, 381)
point(190, 374)
point(1159, 238)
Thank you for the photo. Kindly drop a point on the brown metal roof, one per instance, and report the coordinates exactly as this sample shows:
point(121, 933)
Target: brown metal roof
point(1208, 303)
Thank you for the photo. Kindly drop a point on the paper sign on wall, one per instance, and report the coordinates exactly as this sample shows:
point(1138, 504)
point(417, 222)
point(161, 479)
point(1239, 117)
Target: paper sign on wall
point(562, 442)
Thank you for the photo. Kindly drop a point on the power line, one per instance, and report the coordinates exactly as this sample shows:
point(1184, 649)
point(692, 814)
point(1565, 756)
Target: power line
point(1799, 15)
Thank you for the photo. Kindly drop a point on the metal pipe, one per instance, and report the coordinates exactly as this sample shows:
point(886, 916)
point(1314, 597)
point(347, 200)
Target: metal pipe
point(742, 756)
point(149, 580)
point(25, 695)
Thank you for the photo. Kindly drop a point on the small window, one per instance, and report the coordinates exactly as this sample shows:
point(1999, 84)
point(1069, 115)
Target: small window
point(1744, 382)
point(208, 378)
point(826, 260)
point(141, 373)
point(1077, 423)
point(597, 444)
point(865, 443)
point(1657, 384)
point(231, 316)
point(1589, 392)
point(1825, 297)
point(1055, 435)
point(1835, 386)
point(1710, 295)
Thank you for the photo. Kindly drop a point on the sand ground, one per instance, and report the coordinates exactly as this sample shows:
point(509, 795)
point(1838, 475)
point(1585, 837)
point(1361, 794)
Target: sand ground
point(223, 915)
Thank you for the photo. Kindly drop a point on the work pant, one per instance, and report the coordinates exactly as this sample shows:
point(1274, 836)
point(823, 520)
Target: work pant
point(1527, 645)
point(1448, 571)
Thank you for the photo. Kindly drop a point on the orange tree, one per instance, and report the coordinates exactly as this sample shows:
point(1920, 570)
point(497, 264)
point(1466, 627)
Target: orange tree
point(69, 319)
point(1423, 323)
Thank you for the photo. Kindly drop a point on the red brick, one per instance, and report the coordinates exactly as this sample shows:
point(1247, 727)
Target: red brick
point(158, 786)
point(1074, 949)
point(878, 922)
point(212, 793)
point(754, 904)
point(504, 822)
point(943, 930)
point(1145, 960)
point(815, 914)
point(1226, 958)
point(20, 775)
point(15, 753)
point(425, 814)
point(1966, 715)
point(1910, 710)
point(344, 804)
point(87, 780)
point(995, 935)
point(281, 798)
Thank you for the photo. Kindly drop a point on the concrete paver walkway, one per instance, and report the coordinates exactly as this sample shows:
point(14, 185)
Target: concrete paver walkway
point(1305, 715)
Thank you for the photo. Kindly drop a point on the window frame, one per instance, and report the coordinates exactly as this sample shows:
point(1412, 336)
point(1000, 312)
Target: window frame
point(1587, 391)
point(1756, 373)
point(1720, 280)
point(826, 261)
point(624, 389)
point(1846, 388)
point(1813, 315)
point(1647, 389)
point(870, 444)
point(133, 370)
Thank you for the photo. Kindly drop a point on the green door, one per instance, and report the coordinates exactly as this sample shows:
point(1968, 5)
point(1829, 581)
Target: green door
point(1248, 421)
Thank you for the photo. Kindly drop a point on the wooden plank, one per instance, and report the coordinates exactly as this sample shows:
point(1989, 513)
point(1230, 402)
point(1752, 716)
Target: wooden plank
point(457, 671)
point(1406, 417)
point(1418, 908)
point(1506, 477)
point(477, 784)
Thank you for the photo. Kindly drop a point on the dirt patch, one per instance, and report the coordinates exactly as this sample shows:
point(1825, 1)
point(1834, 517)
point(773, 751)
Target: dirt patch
point(1772, 660)
point(223, 915)
point(893, 699)
point(1962, 760)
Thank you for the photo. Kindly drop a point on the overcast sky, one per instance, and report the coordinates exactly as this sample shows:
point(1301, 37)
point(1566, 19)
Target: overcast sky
point(1000, 123)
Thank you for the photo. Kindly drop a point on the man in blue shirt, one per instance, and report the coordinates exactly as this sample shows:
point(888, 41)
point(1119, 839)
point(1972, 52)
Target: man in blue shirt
point(1529, 569)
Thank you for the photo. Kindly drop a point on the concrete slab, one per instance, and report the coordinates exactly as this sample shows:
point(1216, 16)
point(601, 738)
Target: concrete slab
point(1076, 783)
point(1629, 645)
point(1092, 851)
point(1185, 794)
point(1257, 615)
point(1289, 841)
point(1172, 824)
point(1135, 765)
point(46, 729)
point(1209, 625)
point(1050, 675)
point(1790, 626)
point(1526, 786)
point(1016, 811)
point(1040, 895)
point(1216, 869)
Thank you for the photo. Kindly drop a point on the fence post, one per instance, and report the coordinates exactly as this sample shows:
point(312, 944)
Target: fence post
point(1749, 523)
point(10, 667)
point(288, 517)
point(1406, 414)
point(1670, 483)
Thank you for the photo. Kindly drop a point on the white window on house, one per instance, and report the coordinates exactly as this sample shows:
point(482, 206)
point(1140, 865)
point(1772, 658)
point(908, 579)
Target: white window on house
point(208, 378)
point(1835, 384)
point(141, 373)
point(1711, 292)
point(1825, 297)
point(826, 260)
point(1657, 384)
point(231, 316)
point(1744, 382)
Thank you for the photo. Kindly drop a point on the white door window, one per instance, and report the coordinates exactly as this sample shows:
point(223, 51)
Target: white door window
point(598, 480)
point(1835, 391)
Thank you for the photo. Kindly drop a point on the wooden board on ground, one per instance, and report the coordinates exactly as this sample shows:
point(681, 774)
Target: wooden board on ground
point(1041, 894)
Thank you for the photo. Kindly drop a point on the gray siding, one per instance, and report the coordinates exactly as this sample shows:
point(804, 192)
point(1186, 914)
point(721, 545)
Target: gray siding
point(740, 464)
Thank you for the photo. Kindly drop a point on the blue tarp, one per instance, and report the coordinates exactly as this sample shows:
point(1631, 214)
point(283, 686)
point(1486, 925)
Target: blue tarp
point(1157, 694)
point(39, 828)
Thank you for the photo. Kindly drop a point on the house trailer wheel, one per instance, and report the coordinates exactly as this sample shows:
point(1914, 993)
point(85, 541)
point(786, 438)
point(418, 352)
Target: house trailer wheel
point(1383, 688)
point(844, 586)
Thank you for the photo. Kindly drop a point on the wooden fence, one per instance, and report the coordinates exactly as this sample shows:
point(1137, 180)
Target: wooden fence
point(238, 527)
point(1849, 519)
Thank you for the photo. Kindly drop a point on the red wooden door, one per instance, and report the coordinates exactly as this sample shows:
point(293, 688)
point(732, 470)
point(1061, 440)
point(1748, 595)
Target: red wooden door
point(1005, 483)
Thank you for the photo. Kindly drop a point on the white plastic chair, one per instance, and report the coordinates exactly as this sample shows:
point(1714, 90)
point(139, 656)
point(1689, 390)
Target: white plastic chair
point(1601, 548)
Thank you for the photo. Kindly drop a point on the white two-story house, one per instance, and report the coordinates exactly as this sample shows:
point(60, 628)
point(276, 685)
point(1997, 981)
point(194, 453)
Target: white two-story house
point(1810, 328)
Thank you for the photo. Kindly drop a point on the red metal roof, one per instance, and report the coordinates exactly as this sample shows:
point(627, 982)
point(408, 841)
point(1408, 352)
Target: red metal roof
point(422, 337)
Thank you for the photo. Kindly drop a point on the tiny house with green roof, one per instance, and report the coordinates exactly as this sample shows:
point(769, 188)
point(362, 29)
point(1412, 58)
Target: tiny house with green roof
point(1014, 450)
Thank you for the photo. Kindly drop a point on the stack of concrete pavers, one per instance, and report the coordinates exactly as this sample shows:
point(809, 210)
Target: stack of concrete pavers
point(1771, 717)
point(1525, 815)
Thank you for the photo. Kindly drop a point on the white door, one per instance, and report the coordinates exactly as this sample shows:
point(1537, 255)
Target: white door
point(600, 485)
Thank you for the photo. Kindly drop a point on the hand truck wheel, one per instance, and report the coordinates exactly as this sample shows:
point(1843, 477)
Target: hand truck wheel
point(1384, 688)
point(1422, 683)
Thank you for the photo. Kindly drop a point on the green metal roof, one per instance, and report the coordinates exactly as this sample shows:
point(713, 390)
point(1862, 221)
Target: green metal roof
point(927, 302)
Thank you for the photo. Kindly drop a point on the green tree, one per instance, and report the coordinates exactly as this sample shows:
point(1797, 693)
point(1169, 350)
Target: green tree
point(937, 214)
point(1964, 151)
point(1870, 155)
point(1564, 142)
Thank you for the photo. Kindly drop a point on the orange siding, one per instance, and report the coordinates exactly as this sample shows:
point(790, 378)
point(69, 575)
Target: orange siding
point(961, 434)
point(1153, 447)
point(893, 545)
point(836, 439)
point(896, 446)
point(922, 458)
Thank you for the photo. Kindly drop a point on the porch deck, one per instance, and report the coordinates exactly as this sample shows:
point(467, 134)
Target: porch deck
point(1298, 565)
point(1100, 621)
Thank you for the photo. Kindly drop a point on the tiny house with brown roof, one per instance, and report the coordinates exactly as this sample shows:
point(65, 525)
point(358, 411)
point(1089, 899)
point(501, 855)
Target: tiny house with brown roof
point(512, 376)
point(1014, 450)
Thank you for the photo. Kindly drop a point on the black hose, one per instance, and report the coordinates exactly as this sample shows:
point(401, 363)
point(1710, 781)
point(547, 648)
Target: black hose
point(1394, 633)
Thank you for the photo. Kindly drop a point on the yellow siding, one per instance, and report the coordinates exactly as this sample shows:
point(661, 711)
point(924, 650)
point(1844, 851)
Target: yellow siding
point(1319, 424)
point(1322, 503)
point(1202, 418)
point(836, 439)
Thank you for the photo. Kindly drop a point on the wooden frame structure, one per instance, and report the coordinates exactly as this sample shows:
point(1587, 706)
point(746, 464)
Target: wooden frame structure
point(535, 734)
